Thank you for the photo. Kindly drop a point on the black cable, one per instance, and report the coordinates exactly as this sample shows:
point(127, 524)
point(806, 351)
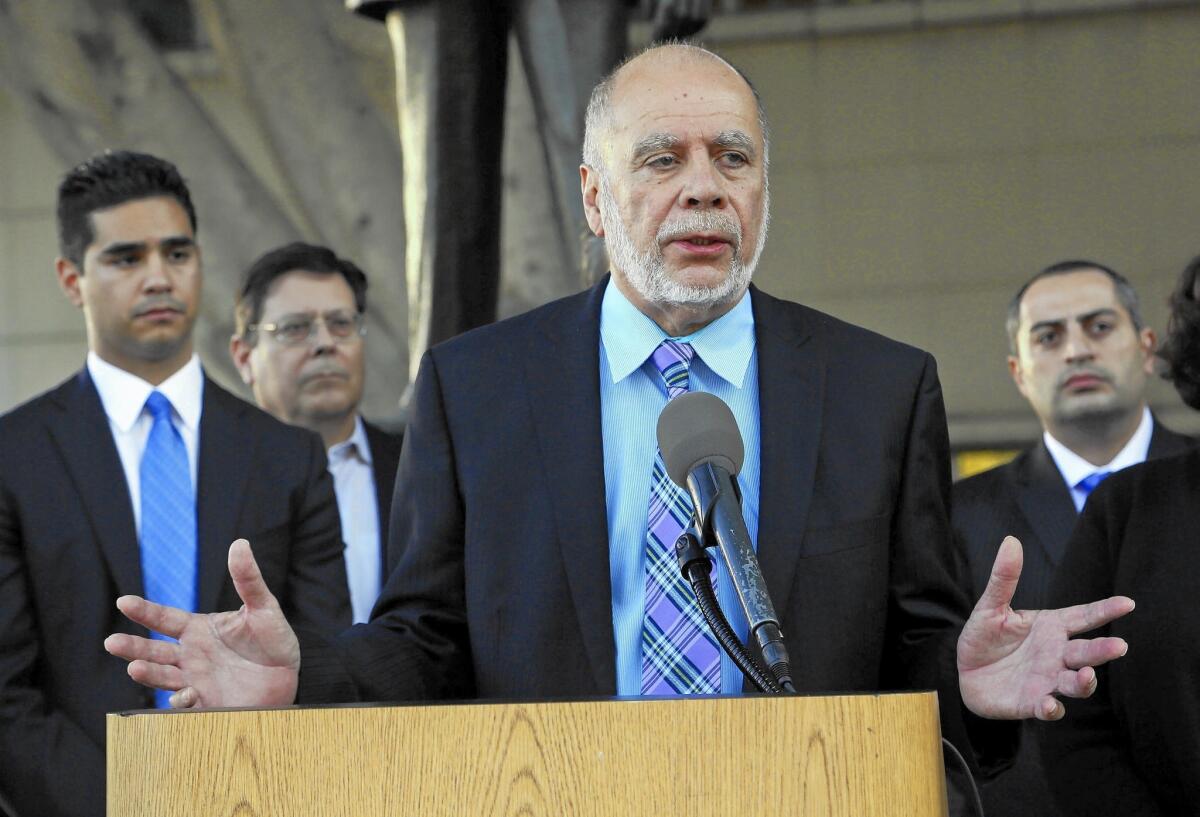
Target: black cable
point(696, 566)
point(966, 770)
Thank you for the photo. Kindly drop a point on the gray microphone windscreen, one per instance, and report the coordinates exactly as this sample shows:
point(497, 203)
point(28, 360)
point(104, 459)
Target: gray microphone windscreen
point(696, 428)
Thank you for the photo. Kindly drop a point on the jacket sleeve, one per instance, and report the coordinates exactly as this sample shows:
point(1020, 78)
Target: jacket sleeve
point(928, 604)
point(416, 645)
point(318, 598)
point(48, 766)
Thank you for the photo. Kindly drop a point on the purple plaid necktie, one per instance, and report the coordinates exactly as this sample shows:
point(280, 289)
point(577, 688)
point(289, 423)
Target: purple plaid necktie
point(679, 655)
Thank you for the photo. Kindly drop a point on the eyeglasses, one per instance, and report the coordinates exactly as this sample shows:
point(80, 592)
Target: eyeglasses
point(293, 330)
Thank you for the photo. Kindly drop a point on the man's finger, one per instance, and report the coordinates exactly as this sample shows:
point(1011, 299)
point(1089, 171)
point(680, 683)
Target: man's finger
point(1092, 652)
point(1084, 617)
point(136, 648)
point(160, 676)
point(1049, 709)
point(247, 578)
point(169, 621)
point(1006, 571)
point(185, 698)
point(1076, 684)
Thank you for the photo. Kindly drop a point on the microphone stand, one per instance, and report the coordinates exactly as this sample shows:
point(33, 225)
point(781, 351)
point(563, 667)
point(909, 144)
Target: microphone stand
point(717, 501)
point(696, 566)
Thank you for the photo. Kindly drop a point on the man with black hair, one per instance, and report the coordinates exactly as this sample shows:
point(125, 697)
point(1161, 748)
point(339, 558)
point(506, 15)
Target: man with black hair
point(131, 476)
point(300, 345)
point(1081, 354)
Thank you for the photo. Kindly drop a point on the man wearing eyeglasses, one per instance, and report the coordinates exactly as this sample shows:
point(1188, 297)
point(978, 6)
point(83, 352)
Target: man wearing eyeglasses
point(300, 346)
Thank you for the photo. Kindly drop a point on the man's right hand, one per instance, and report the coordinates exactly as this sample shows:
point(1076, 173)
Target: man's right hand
point(245, 658)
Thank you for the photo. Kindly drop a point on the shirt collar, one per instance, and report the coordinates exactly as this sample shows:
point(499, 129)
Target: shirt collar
point(629, 337)
point(1074, 467)
point(356, 443)
point(123, 394)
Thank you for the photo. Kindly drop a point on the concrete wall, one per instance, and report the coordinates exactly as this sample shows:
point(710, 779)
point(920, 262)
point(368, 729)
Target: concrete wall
point(918, 176)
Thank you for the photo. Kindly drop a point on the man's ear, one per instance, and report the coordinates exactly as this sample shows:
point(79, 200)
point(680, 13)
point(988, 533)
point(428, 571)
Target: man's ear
point(1014, 371)
point(1149, 343)
point(68, 279)
point(589, 184)
point(239, 350)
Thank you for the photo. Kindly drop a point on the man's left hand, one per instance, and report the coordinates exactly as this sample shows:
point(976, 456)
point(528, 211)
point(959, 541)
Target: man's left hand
point(1013, 663)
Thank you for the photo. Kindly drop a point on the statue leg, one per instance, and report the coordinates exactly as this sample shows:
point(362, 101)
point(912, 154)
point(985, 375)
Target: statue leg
point(451, 61)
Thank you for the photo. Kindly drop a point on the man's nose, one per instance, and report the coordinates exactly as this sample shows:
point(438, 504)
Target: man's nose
point(703, 186)
point(1078, 346)
point(157, 277)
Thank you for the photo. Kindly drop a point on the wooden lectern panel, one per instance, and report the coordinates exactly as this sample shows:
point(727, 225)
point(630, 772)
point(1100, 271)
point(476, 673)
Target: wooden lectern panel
point(850, 755)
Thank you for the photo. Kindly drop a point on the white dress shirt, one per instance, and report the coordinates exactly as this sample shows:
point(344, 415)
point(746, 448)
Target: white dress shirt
point(123, 396)
point(1074, 467)
point(358, 506)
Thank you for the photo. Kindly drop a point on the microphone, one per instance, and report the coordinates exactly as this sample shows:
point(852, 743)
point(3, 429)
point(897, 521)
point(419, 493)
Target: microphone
point(703, 451)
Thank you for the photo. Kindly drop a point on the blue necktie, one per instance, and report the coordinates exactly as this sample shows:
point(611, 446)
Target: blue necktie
point(168, 536)
point(679, 654)
point(1089, 483)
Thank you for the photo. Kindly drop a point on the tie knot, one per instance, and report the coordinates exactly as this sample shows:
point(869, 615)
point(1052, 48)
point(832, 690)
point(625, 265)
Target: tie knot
point(672, 360)
point(1089, 483)
point(159, 405)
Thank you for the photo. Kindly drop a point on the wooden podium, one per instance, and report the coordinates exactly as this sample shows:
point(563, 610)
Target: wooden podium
point(849, 755)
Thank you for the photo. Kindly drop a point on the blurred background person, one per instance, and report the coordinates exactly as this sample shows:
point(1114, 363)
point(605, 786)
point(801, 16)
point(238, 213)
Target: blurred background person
point(300, 346)
point(1081, 355)
point(1133, 748)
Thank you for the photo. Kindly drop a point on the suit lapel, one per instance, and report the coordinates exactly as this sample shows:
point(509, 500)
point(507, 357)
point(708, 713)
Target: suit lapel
point(791, 384)
point(1045, 501)
point(564, 398)
point(227, 447)
point(85, 441)
point(1165, 443)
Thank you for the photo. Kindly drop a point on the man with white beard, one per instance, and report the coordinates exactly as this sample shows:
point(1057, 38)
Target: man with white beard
point(532, 526)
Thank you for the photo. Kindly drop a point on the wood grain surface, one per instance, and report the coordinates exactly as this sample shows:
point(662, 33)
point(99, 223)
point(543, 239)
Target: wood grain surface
point(848, 755)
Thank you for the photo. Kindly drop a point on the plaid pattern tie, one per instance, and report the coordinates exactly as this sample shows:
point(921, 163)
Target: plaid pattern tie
point(679, 655)
point(168, 535)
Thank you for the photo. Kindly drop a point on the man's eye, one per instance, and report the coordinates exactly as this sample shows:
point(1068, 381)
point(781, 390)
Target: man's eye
point(1045, 338)
point(340, 325)
point(1101, 327)
point(179, 256)
point(734, 159)
point(664, 161)
point(128, 260)
point(295, 330)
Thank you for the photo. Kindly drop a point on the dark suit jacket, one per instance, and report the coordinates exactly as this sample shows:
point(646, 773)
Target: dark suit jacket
point(1134, 747)
point(68, 548)
point(385, 458)
point(499, 525)
point(1026, 498)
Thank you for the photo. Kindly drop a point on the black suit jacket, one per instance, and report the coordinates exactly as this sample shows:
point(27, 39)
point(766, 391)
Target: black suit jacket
point(68, 548)
point(1134, 747)
point(499, 523)
point(385, 458)
point(1026, 498)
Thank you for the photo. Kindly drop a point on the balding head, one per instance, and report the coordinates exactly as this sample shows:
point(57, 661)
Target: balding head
point(599, 118)
point(674, 180)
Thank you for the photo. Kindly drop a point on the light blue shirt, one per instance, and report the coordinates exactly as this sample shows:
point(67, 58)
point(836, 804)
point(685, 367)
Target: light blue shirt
point(632, 394)
point(358, 507)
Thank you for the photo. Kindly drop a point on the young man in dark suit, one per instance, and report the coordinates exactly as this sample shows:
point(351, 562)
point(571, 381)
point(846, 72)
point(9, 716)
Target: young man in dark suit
point(529, 464)
point(1081, 355)
point(300, 344)
point(130, 477)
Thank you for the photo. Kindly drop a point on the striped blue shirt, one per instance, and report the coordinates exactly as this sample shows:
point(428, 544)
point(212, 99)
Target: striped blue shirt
point(631, 396)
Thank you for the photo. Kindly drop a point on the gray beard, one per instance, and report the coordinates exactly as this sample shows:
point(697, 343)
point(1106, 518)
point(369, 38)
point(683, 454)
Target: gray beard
point(646, 271)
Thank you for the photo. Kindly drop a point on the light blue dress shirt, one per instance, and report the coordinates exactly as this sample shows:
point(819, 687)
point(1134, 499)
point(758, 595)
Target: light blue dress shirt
point(632, 395)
